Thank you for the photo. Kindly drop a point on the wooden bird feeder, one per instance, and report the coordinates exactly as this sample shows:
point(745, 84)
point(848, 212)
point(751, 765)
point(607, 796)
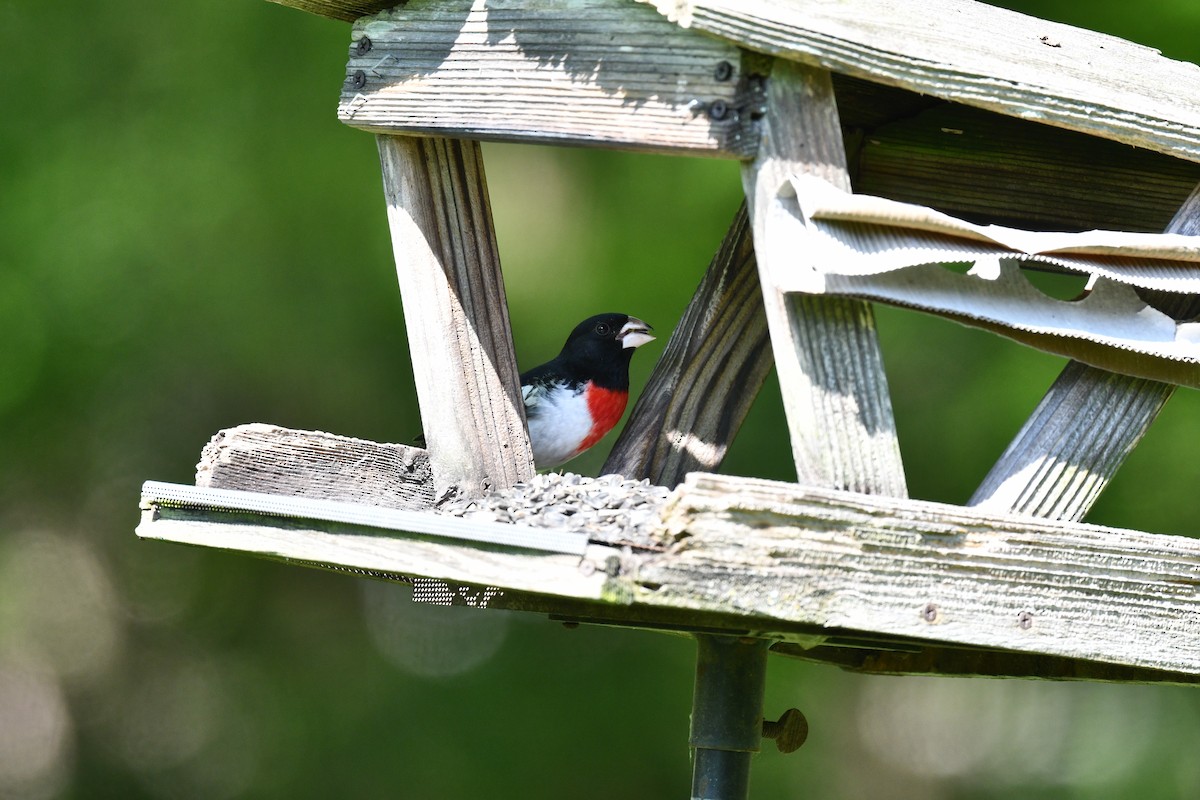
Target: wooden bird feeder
point(1034, 126)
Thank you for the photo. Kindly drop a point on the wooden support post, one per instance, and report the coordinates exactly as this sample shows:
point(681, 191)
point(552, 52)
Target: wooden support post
point(708, 375)
point(456, 313)
point(834, 390)
point(1084, 428)
point(830, 369)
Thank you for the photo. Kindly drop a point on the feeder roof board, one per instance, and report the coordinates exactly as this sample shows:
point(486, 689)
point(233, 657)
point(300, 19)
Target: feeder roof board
point(978, 55)
point(958, 50)
point(1028, 125)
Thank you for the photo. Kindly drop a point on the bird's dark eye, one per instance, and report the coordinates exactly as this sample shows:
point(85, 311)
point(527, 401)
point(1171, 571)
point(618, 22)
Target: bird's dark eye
point(603, 329)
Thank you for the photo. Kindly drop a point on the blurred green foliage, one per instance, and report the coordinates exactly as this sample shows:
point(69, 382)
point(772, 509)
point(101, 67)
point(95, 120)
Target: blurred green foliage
point(189, 240)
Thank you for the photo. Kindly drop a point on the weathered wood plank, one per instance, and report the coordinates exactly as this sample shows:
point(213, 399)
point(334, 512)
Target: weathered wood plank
point(567, 585)
point(919, 582)
point(830, 369)
point(266, 458)
point(585, 72)
point(363, 551)
point(344, 10)
point(990, 168)
point(925, 659)
point(1015, 64)
point(1084, 428)
point(456, 313)
point(929, 571)
point(708, 376)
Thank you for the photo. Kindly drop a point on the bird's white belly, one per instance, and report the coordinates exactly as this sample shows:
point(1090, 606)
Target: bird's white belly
point(558, 427)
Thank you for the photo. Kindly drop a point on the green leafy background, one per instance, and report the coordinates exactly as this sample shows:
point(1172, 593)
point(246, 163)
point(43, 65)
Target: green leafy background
point(190, 240)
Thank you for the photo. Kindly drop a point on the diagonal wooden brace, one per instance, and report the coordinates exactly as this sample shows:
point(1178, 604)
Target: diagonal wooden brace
point(708, 375)
point(1083, 429)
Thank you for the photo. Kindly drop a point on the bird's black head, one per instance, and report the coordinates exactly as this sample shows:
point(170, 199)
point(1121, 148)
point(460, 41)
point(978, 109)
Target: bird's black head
point(600, 347)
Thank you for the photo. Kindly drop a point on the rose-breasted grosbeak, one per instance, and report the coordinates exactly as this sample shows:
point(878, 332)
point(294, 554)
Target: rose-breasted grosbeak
point(573, 400)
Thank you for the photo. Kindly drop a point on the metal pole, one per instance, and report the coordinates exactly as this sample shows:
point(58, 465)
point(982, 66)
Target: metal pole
point(731, 675)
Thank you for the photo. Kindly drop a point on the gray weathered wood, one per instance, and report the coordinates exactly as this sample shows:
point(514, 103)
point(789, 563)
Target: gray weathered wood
point(826, 351)
point(456, 313)
point(959, 159)
point(708, 376)
point(811, 566)
point(266, 458)
point(1083, 429)
point(929, 571)
point(979, 55)
point(623, 76)
point(363, 550)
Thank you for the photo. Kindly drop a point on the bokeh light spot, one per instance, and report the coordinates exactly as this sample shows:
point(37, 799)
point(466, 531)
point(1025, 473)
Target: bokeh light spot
point(35, 733)
point(430, 640)
point(58, 602)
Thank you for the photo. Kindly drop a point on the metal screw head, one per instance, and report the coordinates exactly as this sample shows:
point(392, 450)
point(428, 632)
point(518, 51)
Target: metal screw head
point(1025, 620)
point(718, 110)
point(362, 46)
point(360, 79)
point(789, 731)
point(724, 71)
point(930, 612)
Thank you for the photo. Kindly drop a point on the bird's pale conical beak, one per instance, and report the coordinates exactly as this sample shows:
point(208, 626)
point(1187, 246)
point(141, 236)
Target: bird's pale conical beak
point(635, 333)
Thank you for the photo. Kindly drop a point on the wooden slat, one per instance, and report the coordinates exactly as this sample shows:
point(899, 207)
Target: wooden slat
point(344, 10)
point(990, 168)
point(456, 313)
point(583, 72)
point(1083, 429)
point(867, 105)
point(362, 550)
point(266, 458)
point(921, 583)
point(929, 571)
point(708, 376)
point(928, 659)
point(975, 54)
point(830, 369)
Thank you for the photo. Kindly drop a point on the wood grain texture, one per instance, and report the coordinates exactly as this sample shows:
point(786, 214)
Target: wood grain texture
point(986, 167)
point(826, 350)
point(978, 55)
point(456, 313)
point(363, 551)
point(931, 659)
point(583, 72)
point(922, 583)
point(1084, 428)
point(344, 10)
point(708, 376)
point(267, 458)
point(929, 571)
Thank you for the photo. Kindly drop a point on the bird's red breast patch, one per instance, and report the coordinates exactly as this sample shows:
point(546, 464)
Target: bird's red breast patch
point(605, 406)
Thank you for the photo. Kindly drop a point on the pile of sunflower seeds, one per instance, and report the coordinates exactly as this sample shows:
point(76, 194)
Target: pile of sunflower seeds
point(611, 508)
